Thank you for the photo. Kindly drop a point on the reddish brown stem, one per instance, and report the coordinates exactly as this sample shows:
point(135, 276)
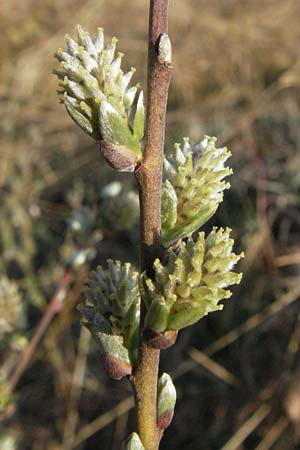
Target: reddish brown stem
point(149, 175)
point(53, 308)
point(149, 178)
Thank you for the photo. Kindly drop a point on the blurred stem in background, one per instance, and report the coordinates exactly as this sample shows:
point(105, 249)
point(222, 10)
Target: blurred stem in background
point(55, 306)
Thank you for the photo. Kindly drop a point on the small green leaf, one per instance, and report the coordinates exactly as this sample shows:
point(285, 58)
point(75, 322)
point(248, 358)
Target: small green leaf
point(115, 129)
point(185, 318)
point(139, 118)
point(79, 118)
point(168, 206)
point(157, 317)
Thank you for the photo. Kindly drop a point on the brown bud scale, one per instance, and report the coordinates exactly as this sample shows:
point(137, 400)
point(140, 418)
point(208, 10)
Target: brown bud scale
point(160, 341)
point(116, 368)
point(118, 157)
point(165, 419)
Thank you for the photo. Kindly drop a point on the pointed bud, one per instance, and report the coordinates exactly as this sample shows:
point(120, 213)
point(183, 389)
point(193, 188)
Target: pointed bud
point(133, 443)
point(166, 399)
point(165, 50)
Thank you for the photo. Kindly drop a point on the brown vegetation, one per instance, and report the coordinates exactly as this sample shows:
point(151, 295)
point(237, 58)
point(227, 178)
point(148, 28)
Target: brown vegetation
point(236, 76)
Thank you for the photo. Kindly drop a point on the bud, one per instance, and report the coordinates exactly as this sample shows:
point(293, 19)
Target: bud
point(166, 399)
point(97, 96)
point(133, 443)
point(165, 50)
point(191, 283)
point(193, 187)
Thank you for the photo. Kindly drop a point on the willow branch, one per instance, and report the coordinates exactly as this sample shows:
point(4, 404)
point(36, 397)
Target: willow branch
point(149, 178)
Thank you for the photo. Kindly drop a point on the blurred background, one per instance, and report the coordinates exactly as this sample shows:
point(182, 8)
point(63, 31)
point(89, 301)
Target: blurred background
point(63, 212)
